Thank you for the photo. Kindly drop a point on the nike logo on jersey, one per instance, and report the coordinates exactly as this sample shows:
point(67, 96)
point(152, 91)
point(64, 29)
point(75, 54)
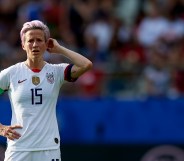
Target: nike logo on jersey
point(20, 81)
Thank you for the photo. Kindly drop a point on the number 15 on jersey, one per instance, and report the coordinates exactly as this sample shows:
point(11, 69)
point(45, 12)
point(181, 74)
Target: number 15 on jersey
point(36, 96)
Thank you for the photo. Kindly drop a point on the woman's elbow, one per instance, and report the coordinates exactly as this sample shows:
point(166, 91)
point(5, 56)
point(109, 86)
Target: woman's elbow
point(89, 65)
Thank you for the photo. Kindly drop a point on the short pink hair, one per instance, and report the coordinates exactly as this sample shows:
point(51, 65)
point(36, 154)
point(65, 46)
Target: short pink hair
point(35, 24)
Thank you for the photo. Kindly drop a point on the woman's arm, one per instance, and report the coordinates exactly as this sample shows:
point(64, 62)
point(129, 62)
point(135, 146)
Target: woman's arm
point(81, 63)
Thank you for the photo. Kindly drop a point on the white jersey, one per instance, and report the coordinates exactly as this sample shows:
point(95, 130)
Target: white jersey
point(33, 98)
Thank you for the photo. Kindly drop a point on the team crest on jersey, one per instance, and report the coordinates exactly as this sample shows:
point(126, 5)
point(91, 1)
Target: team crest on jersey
point(50, 77)
point(35, 80)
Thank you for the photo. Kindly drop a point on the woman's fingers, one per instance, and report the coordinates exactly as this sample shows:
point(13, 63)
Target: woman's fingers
point(10, 133)
point(16, 127)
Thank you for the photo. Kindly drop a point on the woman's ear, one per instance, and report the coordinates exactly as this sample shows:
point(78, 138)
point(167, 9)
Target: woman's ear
point(23, 46)
point(50, 43)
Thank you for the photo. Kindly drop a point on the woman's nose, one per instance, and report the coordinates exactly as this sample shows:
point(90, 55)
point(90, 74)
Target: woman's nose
point(35, 43)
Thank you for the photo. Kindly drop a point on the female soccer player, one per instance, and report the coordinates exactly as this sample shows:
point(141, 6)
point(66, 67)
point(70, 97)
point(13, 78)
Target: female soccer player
point(33, 87)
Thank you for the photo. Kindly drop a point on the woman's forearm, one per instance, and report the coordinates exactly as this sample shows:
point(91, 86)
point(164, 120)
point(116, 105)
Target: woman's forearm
point(76, 58)
point(81, 63)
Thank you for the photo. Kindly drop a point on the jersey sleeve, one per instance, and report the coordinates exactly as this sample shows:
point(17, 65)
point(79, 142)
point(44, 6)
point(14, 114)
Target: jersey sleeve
point(60, 72)
point(67, 74)
point(64, 72)
point(4, 80)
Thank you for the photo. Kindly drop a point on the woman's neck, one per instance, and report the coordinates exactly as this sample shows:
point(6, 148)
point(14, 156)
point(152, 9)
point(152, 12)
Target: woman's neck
point(35, 65)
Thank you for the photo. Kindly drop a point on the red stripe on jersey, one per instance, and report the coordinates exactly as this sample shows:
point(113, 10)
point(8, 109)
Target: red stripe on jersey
point(36, 70)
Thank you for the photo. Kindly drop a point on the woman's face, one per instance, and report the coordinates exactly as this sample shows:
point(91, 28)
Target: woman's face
point(34, 44)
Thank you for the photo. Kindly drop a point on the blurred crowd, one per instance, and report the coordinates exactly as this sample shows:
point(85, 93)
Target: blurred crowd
point(136, 46)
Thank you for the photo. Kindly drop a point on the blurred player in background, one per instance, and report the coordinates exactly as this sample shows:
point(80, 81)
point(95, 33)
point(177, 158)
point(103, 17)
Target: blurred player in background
point(33, 88)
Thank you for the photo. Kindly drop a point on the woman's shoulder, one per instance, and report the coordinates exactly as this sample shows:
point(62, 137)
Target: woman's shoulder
point(13, 67)
point(57, 65)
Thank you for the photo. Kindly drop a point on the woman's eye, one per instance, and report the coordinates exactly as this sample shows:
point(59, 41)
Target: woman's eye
point(39, 40)
point(30, 41)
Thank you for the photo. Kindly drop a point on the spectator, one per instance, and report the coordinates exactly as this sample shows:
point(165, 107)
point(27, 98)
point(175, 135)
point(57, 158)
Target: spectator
point(156, 75)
